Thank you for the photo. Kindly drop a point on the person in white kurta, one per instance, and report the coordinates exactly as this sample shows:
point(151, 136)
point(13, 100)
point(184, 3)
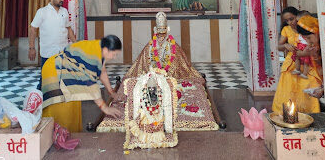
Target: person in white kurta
point(54, 27)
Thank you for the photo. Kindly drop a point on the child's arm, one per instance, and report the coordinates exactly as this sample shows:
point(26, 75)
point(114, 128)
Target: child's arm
point(308, 51)
point(283, 45)
point(302, 53)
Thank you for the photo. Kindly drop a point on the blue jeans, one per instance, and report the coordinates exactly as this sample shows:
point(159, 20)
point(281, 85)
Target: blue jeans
point(39, 86)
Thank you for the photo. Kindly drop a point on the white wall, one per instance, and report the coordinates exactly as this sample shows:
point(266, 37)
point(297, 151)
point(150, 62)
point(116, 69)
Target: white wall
point(175, 30)
point(224, 6)
point(23, 47)
point(98, 7)
point(199, 37)
point(141, 35)
point(91, 30)
point(309, 5)
point(200, 40)
point(115, 28)
point(228, 40)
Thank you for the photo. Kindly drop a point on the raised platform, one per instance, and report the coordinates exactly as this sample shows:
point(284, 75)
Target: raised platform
point(261, 93)
point(191, 145)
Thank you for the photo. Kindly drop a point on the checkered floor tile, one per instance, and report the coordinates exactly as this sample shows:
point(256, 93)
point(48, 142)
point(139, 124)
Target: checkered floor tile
point(223, 75)
point(15, 83)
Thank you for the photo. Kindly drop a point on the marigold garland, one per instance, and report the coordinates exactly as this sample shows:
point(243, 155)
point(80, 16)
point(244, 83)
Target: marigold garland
point(155, 56)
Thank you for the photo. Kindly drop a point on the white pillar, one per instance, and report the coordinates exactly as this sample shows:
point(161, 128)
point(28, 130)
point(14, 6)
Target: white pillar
point(321, 22)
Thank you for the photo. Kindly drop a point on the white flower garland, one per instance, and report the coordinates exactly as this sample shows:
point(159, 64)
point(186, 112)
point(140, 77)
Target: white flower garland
point(193, 114)
point(166, 105)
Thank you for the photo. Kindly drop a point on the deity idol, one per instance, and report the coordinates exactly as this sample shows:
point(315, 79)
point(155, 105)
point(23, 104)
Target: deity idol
point(151, 110)
point(162, 52)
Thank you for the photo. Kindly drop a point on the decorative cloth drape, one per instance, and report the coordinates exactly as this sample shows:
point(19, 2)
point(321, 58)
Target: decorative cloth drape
point(243, 47)
point(13, 23)
point(257, 43)
point(266, 38)
point(77, 16)
point(83, 31)
point(262, 40)
point(264, 56)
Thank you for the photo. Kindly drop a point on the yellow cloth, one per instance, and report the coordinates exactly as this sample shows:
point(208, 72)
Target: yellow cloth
point(309, 23)
point(67, 115)
point(83, 65)
point(291, 86)
point(72, 75)
point(7, 122)
point(291, 35)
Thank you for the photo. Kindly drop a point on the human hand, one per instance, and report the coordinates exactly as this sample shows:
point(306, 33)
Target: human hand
point(318, 93)
point(114, 96)
point(32, 54)
point(301, 53)
point(110, 111)
point(290, 47)
point(312, 50)
point(315, 51)
point(308, 51)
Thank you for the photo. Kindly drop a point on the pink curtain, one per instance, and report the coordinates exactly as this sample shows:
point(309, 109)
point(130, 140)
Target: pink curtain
point(257, 10)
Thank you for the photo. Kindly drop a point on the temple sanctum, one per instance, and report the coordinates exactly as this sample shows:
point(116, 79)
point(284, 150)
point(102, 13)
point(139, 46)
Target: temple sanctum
point(162, 79)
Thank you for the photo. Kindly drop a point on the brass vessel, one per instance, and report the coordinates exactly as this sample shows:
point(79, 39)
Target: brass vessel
point(304, 121)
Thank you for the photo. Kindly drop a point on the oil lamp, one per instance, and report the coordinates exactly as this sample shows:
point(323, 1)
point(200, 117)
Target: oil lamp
point(290, 112)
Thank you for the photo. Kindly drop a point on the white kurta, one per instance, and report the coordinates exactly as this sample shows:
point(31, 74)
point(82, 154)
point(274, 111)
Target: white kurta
point(53, 29)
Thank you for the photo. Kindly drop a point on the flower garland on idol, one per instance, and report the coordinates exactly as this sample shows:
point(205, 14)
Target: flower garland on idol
point(158, 112)
point(169, 57)
point(151, 108)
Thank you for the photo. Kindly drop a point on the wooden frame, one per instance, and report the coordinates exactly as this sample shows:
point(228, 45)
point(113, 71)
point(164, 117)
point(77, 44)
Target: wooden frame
point(284, 4)
point(321, 20)
point(174, 12)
